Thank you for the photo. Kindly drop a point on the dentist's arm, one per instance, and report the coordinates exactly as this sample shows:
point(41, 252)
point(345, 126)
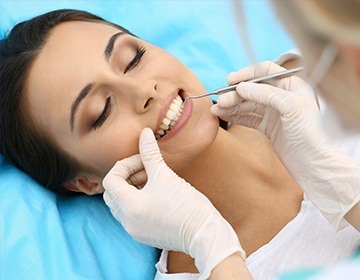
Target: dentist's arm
point(286, 111)
point(169, 213)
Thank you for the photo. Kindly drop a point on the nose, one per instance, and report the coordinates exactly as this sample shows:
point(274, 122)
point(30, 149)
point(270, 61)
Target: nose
point(140, 92)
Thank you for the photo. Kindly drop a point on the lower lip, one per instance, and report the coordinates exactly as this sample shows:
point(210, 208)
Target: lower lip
point(181, 121)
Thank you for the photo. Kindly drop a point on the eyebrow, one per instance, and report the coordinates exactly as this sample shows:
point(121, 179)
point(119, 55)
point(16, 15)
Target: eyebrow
point(110, 45)
point(86, 90)
point(74, 107)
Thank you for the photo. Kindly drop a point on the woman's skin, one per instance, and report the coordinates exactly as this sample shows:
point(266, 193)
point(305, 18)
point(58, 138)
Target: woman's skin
point(236, 169)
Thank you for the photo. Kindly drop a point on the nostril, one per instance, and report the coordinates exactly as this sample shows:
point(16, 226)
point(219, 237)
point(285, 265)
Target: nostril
point(147, 103)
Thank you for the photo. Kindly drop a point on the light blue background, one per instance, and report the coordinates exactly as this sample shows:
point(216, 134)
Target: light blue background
point(201, 33)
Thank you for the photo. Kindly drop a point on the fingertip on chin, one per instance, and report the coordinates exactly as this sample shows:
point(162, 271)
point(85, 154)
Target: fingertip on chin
point(146, 131)
point(146, 135)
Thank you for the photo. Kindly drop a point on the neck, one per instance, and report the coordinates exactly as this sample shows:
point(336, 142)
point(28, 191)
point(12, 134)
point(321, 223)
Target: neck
point(242, 176)
point(245, 180)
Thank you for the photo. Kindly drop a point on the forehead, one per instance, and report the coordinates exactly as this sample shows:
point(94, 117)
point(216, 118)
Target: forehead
point(81, 30)
point(66, 63)
point(74, 40)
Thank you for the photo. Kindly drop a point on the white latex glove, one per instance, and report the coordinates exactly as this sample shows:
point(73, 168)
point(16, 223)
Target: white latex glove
point(288, 114)
point(168, 213)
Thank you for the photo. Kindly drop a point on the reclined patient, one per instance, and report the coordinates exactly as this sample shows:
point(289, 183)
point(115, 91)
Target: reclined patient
point(77, 90)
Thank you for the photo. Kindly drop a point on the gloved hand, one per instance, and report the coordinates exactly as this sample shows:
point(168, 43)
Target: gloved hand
point(168, 213)
point(288, 114)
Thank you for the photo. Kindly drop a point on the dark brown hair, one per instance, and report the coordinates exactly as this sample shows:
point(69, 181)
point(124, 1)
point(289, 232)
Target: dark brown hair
point(22, 143)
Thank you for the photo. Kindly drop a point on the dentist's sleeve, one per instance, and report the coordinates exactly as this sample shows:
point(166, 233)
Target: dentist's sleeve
point(169, 213)
point(286, 111)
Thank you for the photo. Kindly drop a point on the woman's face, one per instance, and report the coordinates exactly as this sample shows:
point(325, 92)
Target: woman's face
point(93, 88)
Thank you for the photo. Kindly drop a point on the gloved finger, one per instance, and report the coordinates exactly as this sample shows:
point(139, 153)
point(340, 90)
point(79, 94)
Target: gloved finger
point(247, 107)
point(250, 120)
point(229, 99)
point(264, 124)
point(116, 178)
point(266, 95)
point(138, 179)
point(218, 111)
point(254, 71)
point(106, 198)
point(224, 114)
point(242, 108)
point(149, 151)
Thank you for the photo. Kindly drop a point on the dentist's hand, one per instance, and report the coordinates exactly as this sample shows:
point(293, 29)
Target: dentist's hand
point(168, 212)
point(286, 111)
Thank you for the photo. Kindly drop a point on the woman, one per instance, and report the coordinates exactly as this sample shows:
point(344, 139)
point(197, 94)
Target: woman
point(85, 89)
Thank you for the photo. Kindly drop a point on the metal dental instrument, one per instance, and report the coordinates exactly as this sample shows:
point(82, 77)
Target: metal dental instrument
point(256, 80)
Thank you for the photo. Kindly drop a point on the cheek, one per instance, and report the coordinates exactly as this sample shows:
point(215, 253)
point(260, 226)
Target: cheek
point(102, 152)
point(106, 156)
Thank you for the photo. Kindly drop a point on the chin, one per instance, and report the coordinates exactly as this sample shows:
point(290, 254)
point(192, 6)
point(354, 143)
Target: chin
point(193, 140)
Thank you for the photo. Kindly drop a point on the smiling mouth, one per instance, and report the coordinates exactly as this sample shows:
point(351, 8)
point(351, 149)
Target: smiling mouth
point(171, 117)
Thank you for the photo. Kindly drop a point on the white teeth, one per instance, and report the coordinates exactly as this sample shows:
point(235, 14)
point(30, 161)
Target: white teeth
point(165, 127)
point(166, 121)
point(160, 132)
point(178, 101)
point(172, 116)
point(174, 107)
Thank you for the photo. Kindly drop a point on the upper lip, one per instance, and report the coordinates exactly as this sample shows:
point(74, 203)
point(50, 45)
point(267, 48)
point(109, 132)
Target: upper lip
point(166, 107)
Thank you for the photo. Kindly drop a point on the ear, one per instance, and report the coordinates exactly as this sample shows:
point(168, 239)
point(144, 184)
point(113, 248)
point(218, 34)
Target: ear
point(85, 184)
point(352, 54)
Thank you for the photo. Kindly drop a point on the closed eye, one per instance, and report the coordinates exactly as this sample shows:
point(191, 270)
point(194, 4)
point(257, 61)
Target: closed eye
point(104, 114)
point(136, 60)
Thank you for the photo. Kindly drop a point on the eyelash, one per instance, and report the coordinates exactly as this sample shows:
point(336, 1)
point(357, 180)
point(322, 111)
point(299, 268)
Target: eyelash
point(140, 51)
point(104, 114)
